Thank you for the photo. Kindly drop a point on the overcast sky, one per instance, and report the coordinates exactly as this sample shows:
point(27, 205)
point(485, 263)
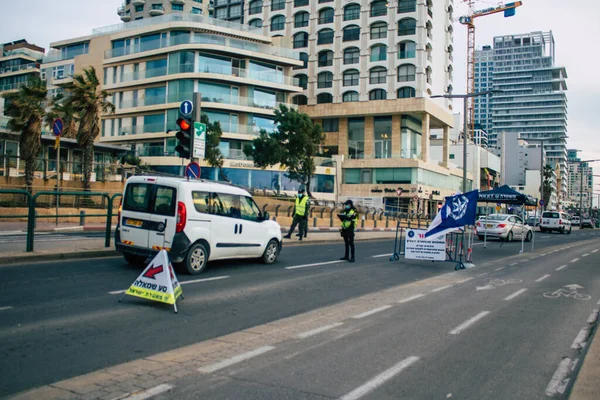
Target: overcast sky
point(575, 24)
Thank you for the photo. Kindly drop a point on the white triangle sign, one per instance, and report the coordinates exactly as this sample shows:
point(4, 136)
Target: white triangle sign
point(157, 282)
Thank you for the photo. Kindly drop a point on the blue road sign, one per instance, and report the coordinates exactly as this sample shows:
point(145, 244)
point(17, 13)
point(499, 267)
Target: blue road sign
point(57, 127)
point(192, 170)
point(542, 203)
point(186, 107)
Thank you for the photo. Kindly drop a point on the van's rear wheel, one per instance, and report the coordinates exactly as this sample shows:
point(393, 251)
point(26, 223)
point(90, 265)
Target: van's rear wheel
point(134, 259)
point(196, 259)
point(271, 252)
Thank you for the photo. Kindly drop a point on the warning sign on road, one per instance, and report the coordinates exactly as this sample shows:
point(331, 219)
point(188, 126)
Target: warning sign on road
point(157, 282)
point(417, 247)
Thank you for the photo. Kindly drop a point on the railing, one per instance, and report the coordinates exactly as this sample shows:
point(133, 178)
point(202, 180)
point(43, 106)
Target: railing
point(4, 122)
point(59, 56)
point(202, 38)
point(235, 154)
point(13, 86)
point(16, 68)
point(226, 127)
point(141, 102)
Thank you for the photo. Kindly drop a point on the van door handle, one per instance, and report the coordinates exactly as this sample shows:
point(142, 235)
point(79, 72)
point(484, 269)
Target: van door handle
point(241, 229)
point(236, 229)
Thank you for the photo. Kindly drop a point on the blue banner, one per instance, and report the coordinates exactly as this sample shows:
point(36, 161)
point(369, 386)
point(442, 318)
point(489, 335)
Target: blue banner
point(457, 211)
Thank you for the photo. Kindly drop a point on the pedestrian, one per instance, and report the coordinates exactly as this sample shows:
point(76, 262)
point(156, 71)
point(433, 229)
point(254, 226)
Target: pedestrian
point(301, 206)
point(349, 218)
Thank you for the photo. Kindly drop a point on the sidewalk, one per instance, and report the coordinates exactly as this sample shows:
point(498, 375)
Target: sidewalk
point(587, 384)
point(7, 228)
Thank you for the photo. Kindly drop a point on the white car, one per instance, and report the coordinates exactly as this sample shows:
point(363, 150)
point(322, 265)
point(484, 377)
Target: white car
point(503, 226)
point(555, 221)
point(196, 221)
point(575, 221)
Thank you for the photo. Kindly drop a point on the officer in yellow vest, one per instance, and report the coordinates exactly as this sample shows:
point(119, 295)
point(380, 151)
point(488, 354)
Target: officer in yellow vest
point(301, 207)
point(349, 218)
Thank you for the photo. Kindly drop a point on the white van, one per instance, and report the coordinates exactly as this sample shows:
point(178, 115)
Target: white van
point(555, 221)
point(196, 221)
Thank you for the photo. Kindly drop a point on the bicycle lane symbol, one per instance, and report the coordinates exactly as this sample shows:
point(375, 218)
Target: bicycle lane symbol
point(568, 291)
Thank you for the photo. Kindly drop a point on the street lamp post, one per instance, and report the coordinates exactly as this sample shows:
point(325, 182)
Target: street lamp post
point(465, 124)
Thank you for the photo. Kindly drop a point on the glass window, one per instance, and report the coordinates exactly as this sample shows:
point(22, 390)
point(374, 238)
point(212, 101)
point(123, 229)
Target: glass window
point(377, 75)
point(325, 80)
point(265, 99)
point(257, 23)
point(202, 202)
point(356, 138)
point(265, 71)
point(139, 8)
point(350, 33)
point(165, 201)
point(300, 40)
point(215, 64)
point(181, 89)
point(300, 3)
point(325, 58)
point(351, 12)
point(379, 52)
point(300, 100)
point(301, 19)
point(351, 55)
point(378, 8)
point(325, 36)
point(226, 205)
point(406, 73)
point(407, 26)
point(249, 209)
point(277, 23)
point(154, 123)
point(323, 98)
point(216, 93)
point(379, 30)
point(302, 81)
point(351, 77)
point(265, 123)
point(331, 125)
point(177, 7)
point(377, 94)
point(255, 7)
point(155, 95)
point(326, 16)
point(277, 5)
point(407, 50)
point(350, 96)
point(196, 11)
point(137, 197)
point(405, 6)
point(406, 93)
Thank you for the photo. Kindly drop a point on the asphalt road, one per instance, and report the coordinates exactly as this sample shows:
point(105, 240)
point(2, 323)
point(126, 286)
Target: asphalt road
point(59, 320)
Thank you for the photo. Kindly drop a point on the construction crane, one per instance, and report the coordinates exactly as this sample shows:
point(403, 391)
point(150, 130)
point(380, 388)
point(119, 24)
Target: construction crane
point(469, 21)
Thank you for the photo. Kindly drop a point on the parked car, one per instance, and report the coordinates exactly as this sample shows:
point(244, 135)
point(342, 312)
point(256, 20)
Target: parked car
point(505, 227)
point(555, 221)
point(575, 221)
point(534, 221)
point(587, 223)
point(195, 221)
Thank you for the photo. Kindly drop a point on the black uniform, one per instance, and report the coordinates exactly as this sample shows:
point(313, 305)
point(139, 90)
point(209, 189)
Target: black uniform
point(349, 218)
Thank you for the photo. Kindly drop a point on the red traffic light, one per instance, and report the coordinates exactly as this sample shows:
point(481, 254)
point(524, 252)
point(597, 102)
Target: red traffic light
point(184, 124)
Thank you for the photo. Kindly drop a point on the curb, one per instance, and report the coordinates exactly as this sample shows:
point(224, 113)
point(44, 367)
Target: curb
point(38, 257)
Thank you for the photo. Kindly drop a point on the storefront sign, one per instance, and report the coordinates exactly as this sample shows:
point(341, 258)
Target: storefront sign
point(417, 247)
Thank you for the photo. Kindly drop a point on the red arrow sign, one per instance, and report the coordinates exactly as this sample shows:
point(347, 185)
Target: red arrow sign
point(153, 271)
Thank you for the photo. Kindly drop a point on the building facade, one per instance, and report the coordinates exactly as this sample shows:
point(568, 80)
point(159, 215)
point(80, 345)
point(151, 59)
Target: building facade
point(229, 10)
point(369, 70)
point(533, 102)
point(133, 10)
point(579, 172)
point(484, 69)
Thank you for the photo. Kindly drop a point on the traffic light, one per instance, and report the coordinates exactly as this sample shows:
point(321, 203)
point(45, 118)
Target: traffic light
point(184, 137)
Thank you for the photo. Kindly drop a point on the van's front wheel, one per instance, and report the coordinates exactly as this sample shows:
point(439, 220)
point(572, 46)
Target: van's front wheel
point(196, 259)
point(271, 252)
point(134, 259)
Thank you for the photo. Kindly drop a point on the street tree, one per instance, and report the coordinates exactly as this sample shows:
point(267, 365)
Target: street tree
point(89, 103)
point(294, 143)
point(26, 109)
point(61, 108)
point(212, 153)
point(548, 189)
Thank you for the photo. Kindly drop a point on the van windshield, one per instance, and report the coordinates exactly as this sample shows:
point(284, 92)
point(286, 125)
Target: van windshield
point(550, 215)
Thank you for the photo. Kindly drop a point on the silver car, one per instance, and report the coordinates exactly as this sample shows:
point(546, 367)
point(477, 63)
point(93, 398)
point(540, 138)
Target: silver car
point(503, 226)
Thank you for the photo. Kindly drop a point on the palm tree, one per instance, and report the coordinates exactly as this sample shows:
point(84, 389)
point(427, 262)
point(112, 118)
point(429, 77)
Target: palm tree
point(89, 103)
point(63, 109)
point(26, 107)
point(548, 175)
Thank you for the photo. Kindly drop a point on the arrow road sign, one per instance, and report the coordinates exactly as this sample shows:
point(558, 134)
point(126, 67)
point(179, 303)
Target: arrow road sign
point(57, 127)
point(186, 107)
point(152, 271)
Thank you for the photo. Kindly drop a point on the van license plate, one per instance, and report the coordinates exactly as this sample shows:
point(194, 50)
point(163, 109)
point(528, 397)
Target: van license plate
point(489, 226)
point(133, 222)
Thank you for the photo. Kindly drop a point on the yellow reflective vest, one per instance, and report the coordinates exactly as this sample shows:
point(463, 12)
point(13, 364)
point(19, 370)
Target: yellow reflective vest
point(351, 222)
point(301, 205)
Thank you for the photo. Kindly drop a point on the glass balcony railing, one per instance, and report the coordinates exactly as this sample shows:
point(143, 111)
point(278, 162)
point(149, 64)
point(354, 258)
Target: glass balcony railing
point(140, 129)
point(236, 154)
point(201, 38)
point(17, 68)
point(241, 101)
point(142, 102)
point(12, 86)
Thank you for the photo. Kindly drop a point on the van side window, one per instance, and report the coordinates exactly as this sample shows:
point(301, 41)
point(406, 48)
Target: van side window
point(226, 205)
point(165, 201)
point(202, 202)
point(250, 210)
point(137, 197)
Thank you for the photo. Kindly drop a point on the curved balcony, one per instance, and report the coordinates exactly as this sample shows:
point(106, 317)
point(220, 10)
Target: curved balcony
point(138, 2)
point(156, 10)
point(178, 1)
point(126, 17)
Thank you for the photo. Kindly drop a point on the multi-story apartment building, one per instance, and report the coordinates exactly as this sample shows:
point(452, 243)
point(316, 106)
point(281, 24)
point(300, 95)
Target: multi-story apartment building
point(484, 69)
point(575, 190)
point(229, 10)
point(369, 70)
point(533, 103)
point(132, 10)
point(150, 66)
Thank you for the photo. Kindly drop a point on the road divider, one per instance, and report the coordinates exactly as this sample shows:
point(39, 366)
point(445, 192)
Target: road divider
point(215, 278)
point(459, 329)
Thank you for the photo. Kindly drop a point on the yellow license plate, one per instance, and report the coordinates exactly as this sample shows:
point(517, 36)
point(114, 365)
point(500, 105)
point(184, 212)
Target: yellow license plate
point(133, 222)
point(489, 226)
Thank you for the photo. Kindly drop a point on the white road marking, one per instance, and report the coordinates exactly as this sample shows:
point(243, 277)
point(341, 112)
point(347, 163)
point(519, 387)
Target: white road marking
point(235, 359)
point(371, 312)
point(575, 260)
point(5, 308)
point(383, 255)
point(314, 265)
point(542, 278)
point(580, 339)
point(416, 296)
point(146, 394)
point(468, 323)
point(595, 251)
point(439, 289)
point(499, 269)
point(380, 379)
point(515, 294)
point(515, 263)
point(316, 331)
point(558, 383)
point(543, 254)
point(561, 267)
point(593, 316)
point(465, 280)
point(585, 255)
point(215, 278)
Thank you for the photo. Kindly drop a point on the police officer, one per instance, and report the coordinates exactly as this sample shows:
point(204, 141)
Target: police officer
point(301, 207)
point(349, 218)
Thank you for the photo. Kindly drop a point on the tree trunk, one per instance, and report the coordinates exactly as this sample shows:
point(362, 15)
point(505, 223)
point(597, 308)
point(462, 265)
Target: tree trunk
point(222, 174)
point(308, 192)
point(88, 158)
point(29, 169)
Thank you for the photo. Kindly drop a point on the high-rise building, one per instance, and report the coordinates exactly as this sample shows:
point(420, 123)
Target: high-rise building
point(229, 10)
point(369, 70)
point(575, 190)
point(533, 102)
point(132, 10)
point(484, 68)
